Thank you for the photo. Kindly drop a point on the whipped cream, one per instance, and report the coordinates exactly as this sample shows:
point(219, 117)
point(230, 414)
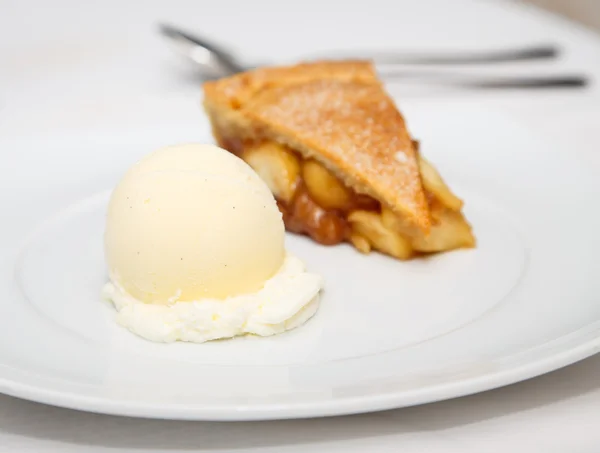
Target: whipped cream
point(287, 300)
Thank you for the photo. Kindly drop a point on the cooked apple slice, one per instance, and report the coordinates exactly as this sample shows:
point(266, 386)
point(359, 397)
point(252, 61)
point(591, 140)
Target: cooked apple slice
point(361, 243)
point(450, 230)
point(433, 183)
point(324, 188)
point(370, 226)
point(278, 166)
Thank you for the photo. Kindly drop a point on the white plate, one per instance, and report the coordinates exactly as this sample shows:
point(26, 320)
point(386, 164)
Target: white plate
point(388, 334)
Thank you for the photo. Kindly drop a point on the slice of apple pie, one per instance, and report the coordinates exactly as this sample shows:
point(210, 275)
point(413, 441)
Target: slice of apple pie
point(335, 151)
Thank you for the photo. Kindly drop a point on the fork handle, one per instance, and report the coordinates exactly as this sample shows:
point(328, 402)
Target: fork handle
point(541, 52)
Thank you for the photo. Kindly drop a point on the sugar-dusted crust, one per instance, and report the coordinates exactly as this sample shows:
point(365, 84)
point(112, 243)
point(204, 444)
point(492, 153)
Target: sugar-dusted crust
point(334, 112)
point(236, 90)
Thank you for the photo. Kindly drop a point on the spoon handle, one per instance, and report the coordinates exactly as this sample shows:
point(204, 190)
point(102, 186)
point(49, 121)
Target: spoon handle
point(486, 82)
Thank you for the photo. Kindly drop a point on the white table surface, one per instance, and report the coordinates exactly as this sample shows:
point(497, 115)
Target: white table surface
point(76, 66)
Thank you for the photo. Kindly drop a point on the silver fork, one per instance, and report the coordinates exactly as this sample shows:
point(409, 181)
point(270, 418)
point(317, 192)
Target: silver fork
point(215, 62)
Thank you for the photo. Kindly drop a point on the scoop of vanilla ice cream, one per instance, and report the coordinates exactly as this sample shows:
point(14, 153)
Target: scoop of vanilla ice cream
point(190, 222)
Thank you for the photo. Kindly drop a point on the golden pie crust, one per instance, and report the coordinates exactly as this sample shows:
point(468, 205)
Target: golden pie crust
point(335, 151)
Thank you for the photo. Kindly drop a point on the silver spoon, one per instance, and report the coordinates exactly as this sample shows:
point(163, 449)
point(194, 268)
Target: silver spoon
point(215, 62)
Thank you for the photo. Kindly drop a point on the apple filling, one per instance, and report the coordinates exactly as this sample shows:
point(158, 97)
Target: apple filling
point(315, 202)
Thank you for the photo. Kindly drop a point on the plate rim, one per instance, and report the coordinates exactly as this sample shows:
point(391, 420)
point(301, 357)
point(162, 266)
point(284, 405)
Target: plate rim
point(576, 346)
